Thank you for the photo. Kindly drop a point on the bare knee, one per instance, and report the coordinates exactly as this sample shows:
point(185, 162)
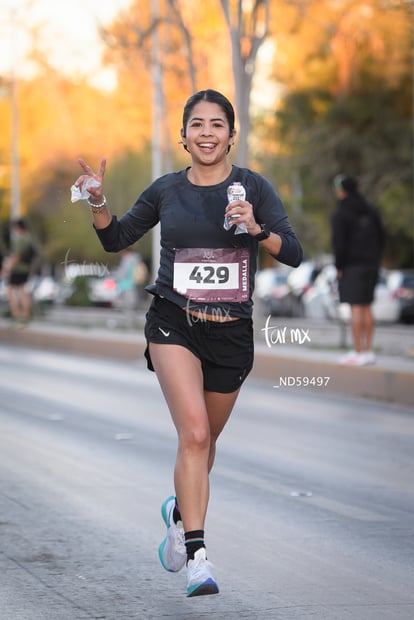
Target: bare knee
point(196, 438)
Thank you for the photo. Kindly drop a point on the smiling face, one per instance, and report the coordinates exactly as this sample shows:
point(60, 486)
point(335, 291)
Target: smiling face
point(207, 133)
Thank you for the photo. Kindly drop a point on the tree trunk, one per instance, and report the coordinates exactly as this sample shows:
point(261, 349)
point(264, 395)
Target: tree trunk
point(248, 30)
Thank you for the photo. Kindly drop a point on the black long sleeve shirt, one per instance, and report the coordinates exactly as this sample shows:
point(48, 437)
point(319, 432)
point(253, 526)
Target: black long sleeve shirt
point(357, 233)
point(192, 216)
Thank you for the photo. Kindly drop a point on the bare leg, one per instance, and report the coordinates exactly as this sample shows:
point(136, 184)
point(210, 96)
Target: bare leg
point(19, 300)
point(368, 327)
point(13, 299)
point(219, 408)
point(199, 417)
point(25, 303)
point(357, 326)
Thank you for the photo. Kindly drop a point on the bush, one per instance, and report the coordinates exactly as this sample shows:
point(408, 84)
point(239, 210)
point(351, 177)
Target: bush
point(80, 292)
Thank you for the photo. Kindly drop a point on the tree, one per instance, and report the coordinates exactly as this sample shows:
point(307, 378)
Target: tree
point(248, 25)
point(150, 42)
point(347, 106)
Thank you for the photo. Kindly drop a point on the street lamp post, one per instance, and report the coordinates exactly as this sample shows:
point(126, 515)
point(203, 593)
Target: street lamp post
point(15, 206)
point(157, 102)
point(15, 200)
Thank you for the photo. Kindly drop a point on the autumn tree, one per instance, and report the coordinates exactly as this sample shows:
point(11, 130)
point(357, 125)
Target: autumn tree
point(346, 71)
point(343, 70)
point(180, 57)
point(248, 25)
point(182, 50)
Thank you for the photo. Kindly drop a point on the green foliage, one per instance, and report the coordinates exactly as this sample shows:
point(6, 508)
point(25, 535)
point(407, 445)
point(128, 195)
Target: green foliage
point(347, 105)
point(80, 292)
point(396, 205)
point(127, 177)
point(65, 229)
point(364, 134)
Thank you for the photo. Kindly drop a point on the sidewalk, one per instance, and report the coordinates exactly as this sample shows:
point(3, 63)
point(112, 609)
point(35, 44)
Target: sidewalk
point(306, 361)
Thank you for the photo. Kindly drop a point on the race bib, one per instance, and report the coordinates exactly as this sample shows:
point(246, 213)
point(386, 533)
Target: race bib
point(212, 275)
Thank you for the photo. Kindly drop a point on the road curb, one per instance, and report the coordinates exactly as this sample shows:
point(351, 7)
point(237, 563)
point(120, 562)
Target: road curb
point(285, 372)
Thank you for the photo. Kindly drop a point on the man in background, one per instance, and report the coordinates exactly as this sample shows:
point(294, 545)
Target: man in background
point(358, 244)
point(16, 271)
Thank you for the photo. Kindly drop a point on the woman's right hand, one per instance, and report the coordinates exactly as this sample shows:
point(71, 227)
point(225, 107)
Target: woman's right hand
point(97, 191)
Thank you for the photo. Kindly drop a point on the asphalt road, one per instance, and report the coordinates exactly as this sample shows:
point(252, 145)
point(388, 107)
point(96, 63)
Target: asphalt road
point(311, 512)
point(394, 339)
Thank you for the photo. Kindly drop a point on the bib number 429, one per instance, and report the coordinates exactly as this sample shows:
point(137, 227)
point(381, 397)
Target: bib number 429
point(212, 275)
point(209, 274)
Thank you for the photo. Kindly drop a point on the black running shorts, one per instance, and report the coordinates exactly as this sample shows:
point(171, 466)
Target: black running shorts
point(225, 349)
point(357, 285)
point(18, 279)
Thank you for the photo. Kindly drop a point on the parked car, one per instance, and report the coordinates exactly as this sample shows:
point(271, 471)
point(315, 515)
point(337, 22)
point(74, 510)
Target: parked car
point(44, 289)
point(87, 285)
point(402, 284)
point(102, 291)
point(273, 292)
point(321, 300)
point(301, 279)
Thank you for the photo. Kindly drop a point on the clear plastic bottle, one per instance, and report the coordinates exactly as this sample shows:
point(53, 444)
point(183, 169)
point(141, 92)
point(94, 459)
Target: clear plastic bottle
point(235, 191)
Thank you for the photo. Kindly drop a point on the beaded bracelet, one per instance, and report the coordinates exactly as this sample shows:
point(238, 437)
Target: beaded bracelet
point(97, 208)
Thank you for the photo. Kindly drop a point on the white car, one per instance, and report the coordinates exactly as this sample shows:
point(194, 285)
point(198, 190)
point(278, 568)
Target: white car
point(44, 289)
point(321, 300)
point(273, 291)
point(87, 284)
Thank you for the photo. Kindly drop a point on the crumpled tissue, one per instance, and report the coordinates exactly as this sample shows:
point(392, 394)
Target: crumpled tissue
point(83, 194)
point(230, 221)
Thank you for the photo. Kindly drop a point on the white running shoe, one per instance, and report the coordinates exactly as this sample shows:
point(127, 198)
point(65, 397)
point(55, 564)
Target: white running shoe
point(353, 358)
point(348, 358)
point(172, 551)
point(368, 358)
point(199, 578)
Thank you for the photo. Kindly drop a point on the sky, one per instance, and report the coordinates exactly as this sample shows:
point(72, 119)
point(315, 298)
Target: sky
point(69, 38)
point(69, 34)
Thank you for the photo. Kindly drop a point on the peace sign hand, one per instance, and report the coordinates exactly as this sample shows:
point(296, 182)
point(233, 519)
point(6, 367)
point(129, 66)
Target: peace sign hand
point(89, 184)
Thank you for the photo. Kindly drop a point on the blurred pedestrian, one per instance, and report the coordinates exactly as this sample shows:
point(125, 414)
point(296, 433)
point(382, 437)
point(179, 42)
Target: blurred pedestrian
point(124, 277)
point(17, 270)
point(129, 277)
point(213, 218)
point(358, 244)
point(3, 249)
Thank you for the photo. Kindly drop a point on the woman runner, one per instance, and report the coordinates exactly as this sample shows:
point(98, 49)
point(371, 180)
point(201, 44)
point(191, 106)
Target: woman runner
point(199, 325)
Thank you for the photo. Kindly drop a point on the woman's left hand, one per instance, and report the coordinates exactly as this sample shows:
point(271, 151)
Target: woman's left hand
point(241, 211)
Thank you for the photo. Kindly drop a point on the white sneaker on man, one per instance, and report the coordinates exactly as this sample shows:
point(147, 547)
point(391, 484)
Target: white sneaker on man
point(349, 358)
point(200, 581)
point(368, 358)
point(355, 358)
point(172, 551)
